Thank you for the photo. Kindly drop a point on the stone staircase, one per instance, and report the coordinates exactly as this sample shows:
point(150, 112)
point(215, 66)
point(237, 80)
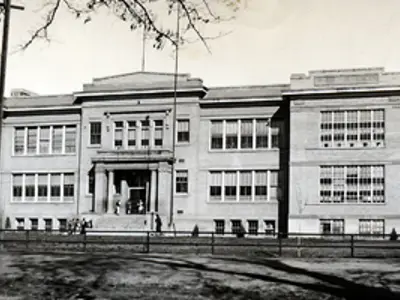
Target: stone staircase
point(111, 222)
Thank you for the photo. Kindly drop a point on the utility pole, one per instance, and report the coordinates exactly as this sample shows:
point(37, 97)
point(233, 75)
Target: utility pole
point(144, 37)
point(6, 4)
point(171, 216)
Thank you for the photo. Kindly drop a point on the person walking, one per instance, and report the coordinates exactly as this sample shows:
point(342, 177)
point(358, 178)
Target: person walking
point(158, 224)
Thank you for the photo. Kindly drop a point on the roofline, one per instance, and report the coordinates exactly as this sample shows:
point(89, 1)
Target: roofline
point(17, 109)
point(249, 86)
point(346, 90)
point(138, 72)
point(242, 99)
point(144, 91)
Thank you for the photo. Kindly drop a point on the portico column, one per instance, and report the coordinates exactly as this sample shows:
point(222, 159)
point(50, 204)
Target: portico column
point(153, 190)
point(110, 191)
point(100, 188)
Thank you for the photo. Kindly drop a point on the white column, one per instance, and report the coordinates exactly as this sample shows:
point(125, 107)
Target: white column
point(110, 191)
point(153, 190)
point(100, 188)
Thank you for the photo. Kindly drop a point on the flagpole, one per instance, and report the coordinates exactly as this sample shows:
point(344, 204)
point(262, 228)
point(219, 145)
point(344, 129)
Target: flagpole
point(171, 216)
point(144, 48)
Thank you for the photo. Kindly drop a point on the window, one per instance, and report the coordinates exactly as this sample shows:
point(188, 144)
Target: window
point(43, 186)
point(331, 226)
point(32, 140)
point(158, 133)
point(219, 226)
point(19, 140)
point(145, 133)
point(352, 128)
point(216, 186)
point(246, 134)
point(34, 224)
point(244, 185)
point(69, 179)
point(48, 224)
point(44, 141)
point(269, 227)
point(253, 227)
point(55, 187)
point(231, 134)
point(90, 182)
point(29, 187)
point(62, 225)
point(17, 187)
point(352, 184)
point(70, 139)
point(131, 134)
point(182, 181)
point(95, 133)
point(183, 131)
point(372, 226)
point(216, 135)
point(236, 226)
point(57, 139)
point(230, 186)
point(20, 223)
point(118, 134)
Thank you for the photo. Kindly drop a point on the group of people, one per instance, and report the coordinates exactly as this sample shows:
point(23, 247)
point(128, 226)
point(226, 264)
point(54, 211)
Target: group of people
point(140, 209)
point(76, 226)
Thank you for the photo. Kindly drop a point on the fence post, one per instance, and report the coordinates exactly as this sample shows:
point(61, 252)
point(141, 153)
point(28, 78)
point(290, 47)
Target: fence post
point(299, 246)
point(148, 242)
point(352, 245)
point(27, 239)
point(280, 243)
point(212, 242)
point(84, 241)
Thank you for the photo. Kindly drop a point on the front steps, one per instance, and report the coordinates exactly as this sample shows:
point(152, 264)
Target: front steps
point(112, 222)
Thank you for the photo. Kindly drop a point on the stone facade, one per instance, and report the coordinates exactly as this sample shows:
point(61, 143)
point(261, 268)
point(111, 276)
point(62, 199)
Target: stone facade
point(249, 155)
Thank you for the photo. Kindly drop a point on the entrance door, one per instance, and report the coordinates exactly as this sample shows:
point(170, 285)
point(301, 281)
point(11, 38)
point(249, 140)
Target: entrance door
point(137, 201)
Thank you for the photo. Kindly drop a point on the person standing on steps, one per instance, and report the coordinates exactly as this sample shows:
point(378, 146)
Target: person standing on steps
point(117, 207)
point(158, 224)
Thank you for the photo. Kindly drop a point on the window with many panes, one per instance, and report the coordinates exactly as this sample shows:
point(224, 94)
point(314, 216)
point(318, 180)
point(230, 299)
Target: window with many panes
point(219, 226)
point(53, 139)
point(252, 227)
point(183, 131)
point(181, 181)
point(352, 128)
point(118, 134)
point(243, 185)
point(43, 187)
point(352, 184)
point(20, 223)
point(131, 134)
point(62, 224)
point(34, 224)
point(145, 133)
point(95, 133)
point(372, 226)
point(158, 133)
point(48, 224)
point(246, 134)
point(331, 226)
point(236, 226)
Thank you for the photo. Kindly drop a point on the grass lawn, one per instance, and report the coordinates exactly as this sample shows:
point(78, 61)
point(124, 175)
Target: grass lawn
point(150, 276)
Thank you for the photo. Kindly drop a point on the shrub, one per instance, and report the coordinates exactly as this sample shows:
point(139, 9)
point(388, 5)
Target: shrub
point(195, 231)
point(393, 235)
point(241, 232)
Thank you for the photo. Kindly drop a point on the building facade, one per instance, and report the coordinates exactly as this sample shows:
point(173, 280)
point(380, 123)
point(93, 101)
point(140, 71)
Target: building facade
point(319, 154)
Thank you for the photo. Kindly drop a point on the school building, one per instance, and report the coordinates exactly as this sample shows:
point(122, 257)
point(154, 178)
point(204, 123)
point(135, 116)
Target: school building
point(318, 154)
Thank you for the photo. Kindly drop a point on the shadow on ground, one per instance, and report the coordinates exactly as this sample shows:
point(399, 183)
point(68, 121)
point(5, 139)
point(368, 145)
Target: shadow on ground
point(88, 277)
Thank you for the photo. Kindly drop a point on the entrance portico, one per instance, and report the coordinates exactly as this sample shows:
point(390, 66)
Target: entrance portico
point(141, 185)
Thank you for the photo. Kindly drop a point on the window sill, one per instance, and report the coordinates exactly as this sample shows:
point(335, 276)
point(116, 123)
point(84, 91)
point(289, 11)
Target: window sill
point(243, 202)
point(344, 203)
point(42, 202)
point(182, 195)
point(94, 146)
point(346, 148)
point(44, 155)
point(183, 144)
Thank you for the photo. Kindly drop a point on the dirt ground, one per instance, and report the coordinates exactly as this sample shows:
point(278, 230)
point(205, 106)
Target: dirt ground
point(181, 277)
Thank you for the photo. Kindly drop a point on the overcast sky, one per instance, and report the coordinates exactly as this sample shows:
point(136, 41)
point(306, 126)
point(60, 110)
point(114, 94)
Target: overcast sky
point(271, 39)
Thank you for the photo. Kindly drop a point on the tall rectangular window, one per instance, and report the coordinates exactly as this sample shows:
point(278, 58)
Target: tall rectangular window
point(262, 129)
point(231, 134)
point(245, 182)
point(57, 139)
point(236, 226)
point(158, 133)
point(32, 140)
point(276, 133)
point(55, 187)
point(70, 139)
point(215, 186)
point(216, 134)
point(19, 140)
point(261, 185)
point(183, 132)
point(30, 187)
point(48, 224)
point(274, 184)
point(131, 134)
point(219, 226)
point(252, 227)
point(118, 133)
point(34, 224)
point(145, 134)
point(230, 186)
point(353, 128)
point(95, 133)
point(43, 187)
point(331, 226)
point(182, 181)
point(352, 184)
point(69, 183)
point(44, 141)
point(246, 134)
point(17, 187)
